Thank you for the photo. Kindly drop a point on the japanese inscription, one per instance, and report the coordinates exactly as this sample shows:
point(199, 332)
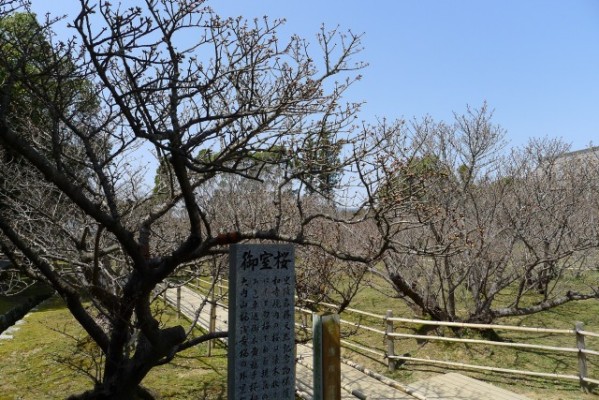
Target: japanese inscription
point(261, 322)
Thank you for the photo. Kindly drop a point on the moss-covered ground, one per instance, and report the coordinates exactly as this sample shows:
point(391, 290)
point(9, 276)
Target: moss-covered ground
point(49, 358)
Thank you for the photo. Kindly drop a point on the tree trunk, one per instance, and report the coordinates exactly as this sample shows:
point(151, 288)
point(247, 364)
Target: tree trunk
point(450, 301)
point(123, 375)
point(433, 310)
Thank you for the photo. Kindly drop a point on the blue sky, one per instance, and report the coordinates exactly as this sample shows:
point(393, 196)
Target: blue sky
point(535, 62)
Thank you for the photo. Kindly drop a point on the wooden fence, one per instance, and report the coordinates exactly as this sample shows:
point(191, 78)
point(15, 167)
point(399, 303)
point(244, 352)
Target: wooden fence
point(388, 332)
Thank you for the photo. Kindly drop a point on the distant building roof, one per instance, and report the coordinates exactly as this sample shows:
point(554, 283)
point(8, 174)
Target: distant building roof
point(584, 157)
point(590, 151)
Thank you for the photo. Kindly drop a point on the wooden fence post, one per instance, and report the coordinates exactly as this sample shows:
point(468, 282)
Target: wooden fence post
point(390, 342)
point(212, 322)
point(303, 320)
point(582, 359)
point(178, 301)
point(327, 358)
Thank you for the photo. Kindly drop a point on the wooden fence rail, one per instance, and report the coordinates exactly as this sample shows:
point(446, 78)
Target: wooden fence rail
point(390, 323)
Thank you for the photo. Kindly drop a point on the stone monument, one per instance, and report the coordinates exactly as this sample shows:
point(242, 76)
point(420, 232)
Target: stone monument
point(261, 363)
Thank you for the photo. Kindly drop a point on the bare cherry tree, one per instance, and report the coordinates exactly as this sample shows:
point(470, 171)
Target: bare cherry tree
point(466, 225)
point(215, 102)
point(321, 273)
point(551, 214)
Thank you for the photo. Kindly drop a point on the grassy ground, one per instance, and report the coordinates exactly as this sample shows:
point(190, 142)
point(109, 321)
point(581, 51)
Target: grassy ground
point(40, 362)
point(532, 360)
point(28, 370)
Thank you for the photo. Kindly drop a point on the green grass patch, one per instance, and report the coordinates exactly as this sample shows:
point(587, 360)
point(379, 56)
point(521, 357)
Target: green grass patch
point(43, 361)
point(375, 299)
